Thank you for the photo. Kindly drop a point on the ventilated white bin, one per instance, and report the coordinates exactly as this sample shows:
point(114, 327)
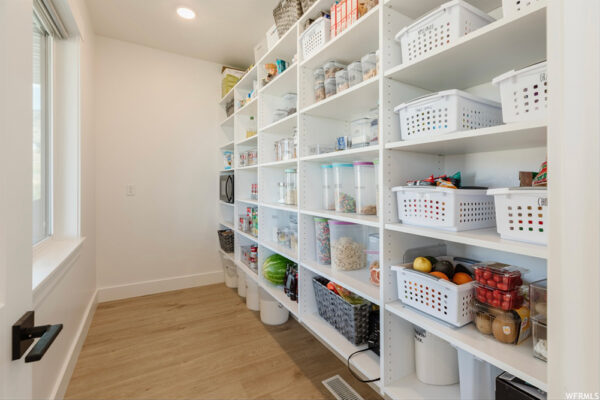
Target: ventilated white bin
point(229, 272)
point(522, 214)
point(444, 208)
point(241, 287)
point(436, 361)
point(446, 112)
point(524, 93)
point(252, 296)
point(477, 377)
point(512, 8)
point(440, 29)
point(271, 311)
point(437, 297)
point(315, 37)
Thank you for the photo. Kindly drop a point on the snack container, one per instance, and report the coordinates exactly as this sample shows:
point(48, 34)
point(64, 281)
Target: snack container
point(319, 75)
point(330, 87)
point(289, 102)
point(499, 276)
point(369, 65)
point(540, 339)
point(510, 327)
point(331, 68)
point(364, 186)
point(327, 187)
point(322, 241)
point(341, 80)
point(347, 246)
point(320, 91)
point(498, 298)
point(538, 292)
point(344, 192)
point(355, 74)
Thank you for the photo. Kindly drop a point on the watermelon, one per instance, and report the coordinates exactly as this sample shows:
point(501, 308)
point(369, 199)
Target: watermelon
point(274, 268)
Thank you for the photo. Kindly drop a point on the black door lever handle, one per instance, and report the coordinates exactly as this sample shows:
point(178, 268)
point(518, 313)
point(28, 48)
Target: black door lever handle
point(23, 334)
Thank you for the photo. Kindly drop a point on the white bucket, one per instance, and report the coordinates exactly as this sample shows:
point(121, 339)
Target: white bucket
point(477, 377)
point(252, 298)
point(271, 311)
point(241, 282)
point(436, 361)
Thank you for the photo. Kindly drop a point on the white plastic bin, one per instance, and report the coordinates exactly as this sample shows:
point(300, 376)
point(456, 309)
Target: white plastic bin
point(241, 286)
point(446, 112)
point(512, 8)
point(315, 37)
point(477, 377)
point(345, 195)
point(229, 272)
point(271, 311)
point(524, 93)
point(440, 29)
point(436, 361)
point(443, 208)
point(522, 214)
point(347, 246)
point(252, 296)
point(364, 186)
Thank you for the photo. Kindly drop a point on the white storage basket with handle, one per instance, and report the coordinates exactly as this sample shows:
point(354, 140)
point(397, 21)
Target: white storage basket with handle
point(446, 112)
point(512, 8)
point(524, 93)
point(434, 296)
point(315, 37)
point(440, 29)
point(522, 214)
point(229, 271)
point(443, 208)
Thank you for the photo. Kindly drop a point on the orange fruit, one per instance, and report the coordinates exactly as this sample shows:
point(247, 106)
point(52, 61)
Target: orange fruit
point(440, 275)
point(461, 277)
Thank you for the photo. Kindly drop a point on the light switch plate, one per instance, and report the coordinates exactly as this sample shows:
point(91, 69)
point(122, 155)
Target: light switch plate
point(130, 190)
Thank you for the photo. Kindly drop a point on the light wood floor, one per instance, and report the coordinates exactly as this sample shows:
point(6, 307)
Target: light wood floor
point(200, 343)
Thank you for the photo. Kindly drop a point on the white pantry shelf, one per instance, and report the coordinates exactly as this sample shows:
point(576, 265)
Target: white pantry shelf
point(275, 248)
point(487, 238)
point(246, 82)
point(283, 83)
point(283, 125)
point(410, 387)
point(279, 295)
point(226, 98)
point(506, 44)
point(282, 207)
point(285, 48)
point(248, 201)
point(227, 224)
point(368, 153)
point(367, 220)
point(249, 167)
point(247, 236)
point(228, 122)
point(249, 108)
point(417, 8)
point(517, 360)
point(249, 141)
point(281, 164)
point(228, 146)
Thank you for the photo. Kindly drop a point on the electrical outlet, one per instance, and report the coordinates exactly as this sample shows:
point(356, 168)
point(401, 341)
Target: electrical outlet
point(130, 190)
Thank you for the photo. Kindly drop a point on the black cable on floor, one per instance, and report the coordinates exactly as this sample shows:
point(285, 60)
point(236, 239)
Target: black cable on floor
point(354, 374)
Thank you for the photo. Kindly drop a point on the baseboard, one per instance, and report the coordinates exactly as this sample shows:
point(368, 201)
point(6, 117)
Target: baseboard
point(69, 366)
point(119, 292)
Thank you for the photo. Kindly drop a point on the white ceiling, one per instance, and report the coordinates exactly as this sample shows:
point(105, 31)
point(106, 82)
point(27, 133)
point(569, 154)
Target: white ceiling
point(224, 31)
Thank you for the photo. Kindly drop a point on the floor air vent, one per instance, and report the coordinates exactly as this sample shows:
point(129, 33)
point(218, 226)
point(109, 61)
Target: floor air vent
point(340, 389)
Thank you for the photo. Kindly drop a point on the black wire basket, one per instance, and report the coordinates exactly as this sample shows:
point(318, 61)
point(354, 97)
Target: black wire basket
point(226, 240)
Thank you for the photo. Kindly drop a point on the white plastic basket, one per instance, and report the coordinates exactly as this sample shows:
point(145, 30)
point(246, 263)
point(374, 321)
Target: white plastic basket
point(315, 37)
point(510, 8)
point(446, 112)
point(437, 297)
point(440, 29)
point(522, 214)
point(443, 208)
point(524, 94)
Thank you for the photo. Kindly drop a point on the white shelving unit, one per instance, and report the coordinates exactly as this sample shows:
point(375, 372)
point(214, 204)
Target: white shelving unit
point(488, 157)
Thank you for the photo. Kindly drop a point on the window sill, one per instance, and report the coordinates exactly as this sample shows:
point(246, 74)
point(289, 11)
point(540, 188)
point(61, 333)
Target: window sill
point(51, 261)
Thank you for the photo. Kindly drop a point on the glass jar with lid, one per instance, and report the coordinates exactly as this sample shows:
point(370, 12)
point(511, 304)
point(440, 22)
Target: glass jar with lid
point(290, 186)
point(282, 192)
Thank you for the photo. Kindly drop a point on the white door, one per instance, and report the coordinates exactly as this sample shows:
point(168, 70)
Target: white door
point(15, 187)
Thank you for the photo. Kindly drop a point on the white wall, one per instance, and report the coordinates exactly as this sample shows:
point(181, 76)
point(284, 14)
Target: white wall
point(71, 301)
point(156, 128)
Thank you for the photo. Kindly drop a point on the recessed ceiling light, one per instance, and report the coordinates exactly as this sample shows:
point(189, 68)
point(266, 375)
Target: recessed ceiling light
point(186, 13)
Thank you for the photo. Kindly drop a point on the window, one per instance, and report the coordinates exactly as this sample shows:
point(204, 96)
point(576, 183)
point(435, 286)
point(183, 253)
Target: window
point(42, 189)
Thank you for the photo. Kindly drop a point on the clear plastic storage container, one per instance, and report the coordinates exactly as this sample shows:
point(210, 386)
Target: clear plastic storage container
point(322, 243)
point(369, 65)
point(327, 187)
point(287, 149)
point(282, 192)
point(343, 184)
point(290, 186)
point(330, 87)
point(319, 91)
point(341, 80)
point(501, 276)
point(504, 300)
point(376, 165)
point(279, 114)
point(540, 339)
point(360, 132)
point(331, 67)
point(355, 74)
point(538, 292)
point(319, 75)
point(347, 246)
point(289, 103)
point(364, 185)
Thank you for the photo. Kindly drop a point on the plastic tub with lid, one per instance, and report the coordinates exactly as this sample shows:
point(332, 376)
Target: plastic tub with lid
point(331, 67)
point(364, 186)
point(290, 102)
point(327, 187)
point(341, 80)
point(477, 377)
point(271, 311)
point(347, 246)
point(355, 74)
point(360, 132)
point(241, 286)
point(330, 87)
point(290, 186)
point(319, 91)
point(369, 65)
point(252, 296)
point(319, 75)
point(343, 183)
point(436, 361)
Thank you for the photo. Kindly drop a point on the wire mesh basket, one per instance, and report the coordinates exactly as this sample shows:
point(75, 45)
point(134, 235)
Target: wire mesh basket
point(226, 240)
point(286, 14)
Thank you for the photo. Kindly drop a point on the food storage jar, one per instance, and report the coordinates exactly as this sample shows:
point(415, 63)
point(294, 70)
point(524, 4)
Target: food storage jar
point(372, 258)
point(376, 165)
point(322, 243)
point(355, 75)
point(295, 140)
point(277, 146)
point(327, 187)
point(510, 327)
point(243, 161)
point(330, 87)
point(252, 157)
point(243, 223)
point(538, 299)
point(319, 91)
point(274, 228)
point(341, 80)
point(504, 300)
point(290, 186)
point(436, 361)
point(347, 246)
point(283, 237)
point(360, 132)
point(319, 75)
point(320, 149)
point(372, 254)
point(289, 103)
point(287, 149)
point(279, 114)
point(331, 68)
point(369, 65)
point(497, 275)
point(293, 225)
point(540, 340)
point(282, 192)
point(364, 186)
point(343, 187)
